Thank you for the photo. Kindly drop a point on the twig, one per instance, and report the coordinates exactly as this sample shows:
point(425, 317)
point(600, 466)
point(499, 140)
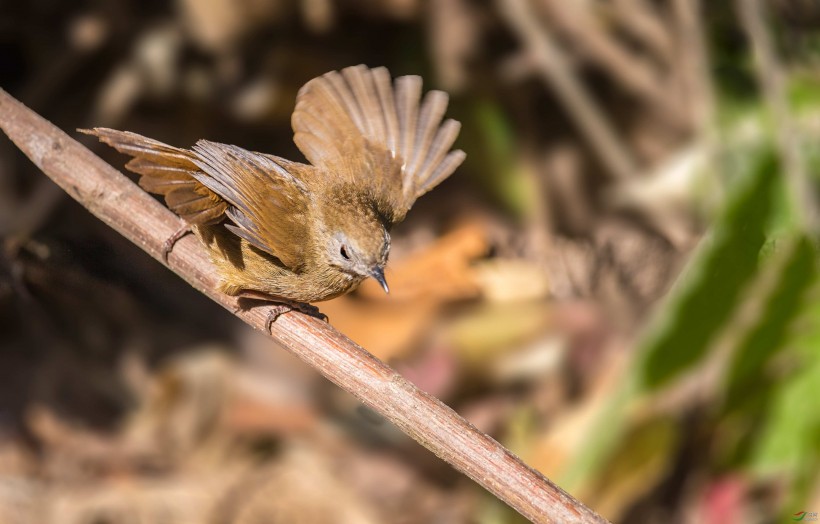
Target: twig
point(693, 69)
point(601, 47)
point(557, 73)
point(772, 80)
point(121, 204)
point(641, 20)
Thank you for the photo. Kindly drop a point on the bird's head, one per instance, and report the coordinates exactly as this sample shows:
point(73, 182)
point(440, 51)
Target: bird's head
point(358, 244)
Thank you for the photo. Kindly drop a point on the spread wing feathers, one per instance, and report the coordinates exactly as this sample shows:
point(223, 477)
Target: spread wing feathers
point(167, 171)
point(358, 125)
point(268, 202)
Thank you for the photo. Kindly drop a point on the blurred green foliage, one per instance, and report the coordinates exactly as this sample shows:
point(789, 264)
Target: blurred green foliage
point(496, 161)
point(750, 292)
point(774, 379)
point(712, 289)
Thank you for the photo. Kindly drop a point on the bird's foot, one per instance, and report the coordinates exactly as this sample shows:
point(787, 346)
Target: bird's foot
point(280, 309)
point(313, 311)
point(274, 313)
point(169, 243)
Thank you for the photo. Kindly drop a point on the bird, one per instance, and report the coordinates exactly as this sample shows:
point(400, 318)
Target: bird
point(294, 233)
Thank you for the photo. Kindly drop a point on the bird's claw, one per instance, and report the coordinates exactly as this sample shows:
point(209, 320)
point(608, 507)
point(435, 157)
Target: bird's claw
point(311, 310)
point(278, 310)
point(169, 243)
point(274, 313)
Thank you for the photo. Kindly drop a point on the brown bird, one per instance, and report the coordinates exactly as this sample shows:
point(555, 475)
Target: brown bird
point(296, 233)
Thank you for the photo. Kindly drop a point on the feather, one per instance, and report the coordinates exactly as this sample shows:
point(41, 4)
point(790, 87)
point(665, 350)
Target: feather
point(168, 171)
point(269, 205)
point(363, 131)
point(361, 83)
point(408, 91)
point(346, 99)
point(430, 115)
point(444, 169)
point(441, 144)
point(388, 108)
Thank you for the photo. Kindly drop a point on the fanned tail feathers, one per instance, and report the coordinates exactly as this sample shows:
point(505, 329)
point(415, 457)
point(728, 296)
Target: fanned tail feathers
point(336, 109)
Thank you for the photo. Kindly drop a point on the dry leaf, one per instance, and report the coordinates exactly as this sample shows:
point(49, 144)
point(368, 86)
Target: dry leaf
point(635, 468)
point(491, 330)
point(562, 441)
point(389, 325)
point(441, 271)
point(507, 280)
point(386, 329)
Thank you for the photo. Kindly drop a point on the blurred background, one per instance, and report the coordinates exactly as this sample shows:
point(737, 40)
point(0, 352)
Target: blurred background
point(620, 283)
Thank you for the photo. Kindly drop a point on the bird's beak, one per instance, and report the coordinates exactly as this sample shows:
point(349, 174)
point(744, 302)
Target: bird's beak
point(378, 274)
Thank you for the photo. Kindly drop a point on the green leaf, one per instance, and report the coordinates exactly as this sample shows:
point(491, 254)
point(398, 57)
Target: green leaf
point(774, 383)
point(770, 335)
point(708, 294)
point(697, 309)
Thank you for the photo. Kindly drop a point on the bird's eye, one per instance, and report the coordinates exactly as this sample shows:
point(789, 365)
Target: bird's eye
point(343, 252)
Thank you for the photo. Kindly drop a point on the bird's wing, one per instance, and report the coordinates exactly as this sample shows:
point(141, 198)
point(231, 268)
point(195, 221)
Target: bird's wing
point(262, 194)
point(357, 125)
point(167, 171)
point(269, 203)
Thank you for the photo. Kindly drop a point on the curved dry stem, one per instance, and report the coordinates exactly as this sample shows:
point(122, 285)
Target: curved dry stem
point(121, 204)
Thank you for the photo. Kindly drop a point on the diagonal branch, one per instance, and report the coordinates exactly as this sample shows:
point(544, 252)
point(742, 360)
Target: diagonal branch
point(117, 201)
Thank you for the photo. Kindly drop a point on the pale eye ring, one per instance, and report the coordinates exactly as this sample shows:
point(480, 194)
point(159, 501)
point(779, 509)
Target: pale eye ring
point(343, 252)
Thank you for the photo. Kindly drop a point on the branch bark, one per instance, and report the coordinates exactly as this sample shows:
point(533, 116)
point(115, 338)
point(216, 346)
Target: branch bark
point(121, 204)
